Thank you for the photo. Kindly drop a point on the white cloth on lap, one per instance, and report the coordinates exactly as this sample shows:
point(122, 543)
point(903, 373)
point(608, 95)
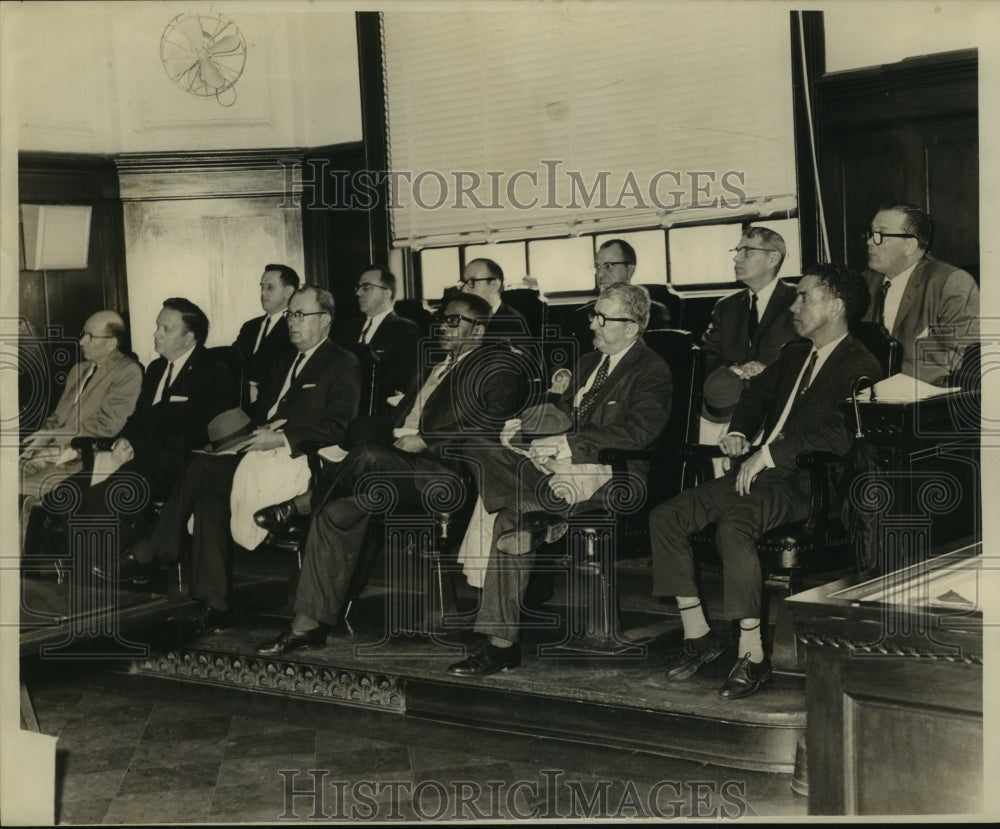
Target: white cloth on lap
point(474, 554)
point(263, 479)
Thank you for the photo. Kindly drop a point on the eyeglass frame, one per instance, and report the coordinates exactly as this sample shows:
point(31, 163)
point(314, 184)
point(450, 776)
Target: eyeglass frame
point(603, 320)
point(474, 279)
point(298, 316)
point(364, 286)
point(86, 335)
point(607, 266)
point(444, 319)
point(742, 251)
point(869, 236)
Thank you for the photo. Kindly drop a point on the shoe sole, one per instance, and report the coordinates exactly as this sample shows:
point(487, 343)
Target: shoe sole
point(707, 658)
point(477, 674)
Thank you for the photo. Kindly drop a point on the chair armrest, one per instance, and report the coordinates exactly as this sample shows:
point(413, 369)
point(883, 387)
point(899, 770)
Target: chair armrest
point(817, 464)
point(700, 451)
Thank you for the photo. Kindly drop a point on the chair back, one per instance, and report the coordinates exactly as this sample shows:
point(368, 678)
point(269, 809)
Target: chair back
point(413, 309)
point(885, 349)
point(230, 357)
point(530, 305)
point(686, 362)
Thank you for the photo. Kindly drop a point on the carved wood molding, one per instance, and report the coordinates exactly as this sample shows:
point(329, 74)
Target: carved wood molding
point(210, 174)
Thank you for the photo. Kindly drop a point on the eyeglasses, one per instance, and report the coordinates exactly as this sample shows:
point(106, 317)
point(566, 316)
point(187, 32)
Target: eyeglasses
point(86, 335)
point(607, 266)
point(744, 251)
point(475, 279)
point(367, 286)
point(453, 320)
point(603, 320)
point(876, 236)
point(298, 316)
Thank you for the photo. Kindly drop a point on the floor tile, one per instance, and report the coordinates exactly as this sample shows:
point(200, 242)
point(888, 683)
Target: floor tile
point(178, 752)
point(89, 785)
point(164, 806)
point(392, 763)
point(295, 741)
point(83, 812)
point(191, 775)
point(329, 742)
point(182, 726)
point(266, 803)
point(239, 770)
point(96, 758)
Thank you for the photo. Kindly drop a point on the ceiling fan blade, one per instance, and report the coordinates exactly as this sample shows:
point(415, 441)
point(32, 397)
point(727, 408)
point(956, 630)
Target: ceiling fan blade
point(230, 43)
point(211, 75)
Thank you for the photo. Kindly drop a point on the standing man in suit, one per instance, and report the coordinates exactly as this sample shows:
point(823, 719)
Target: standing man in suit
point(619, 399)
point(614, 264)
point(747, 328)
point(263, 341)
point(927, 305)
point(794, 404)
point(471, 394)
point(100, 393)
point(384, 342)
point(484, 278)
point(308, 400)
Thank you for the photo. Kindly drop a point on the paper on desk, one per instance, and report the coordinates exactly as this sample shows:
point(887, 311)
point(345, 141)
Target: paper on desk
point(901, 388)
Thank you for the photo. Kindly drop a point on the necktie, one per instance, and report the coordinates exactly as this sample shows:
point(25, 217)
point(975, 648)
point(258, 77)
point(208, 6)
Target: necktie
point(263, 333)
point(754, 319)
point(89, 377)
point(167, 381)
point(886, 285)
point(591, 393)
point(364, 332)
point(298, 364)
point(807, 377)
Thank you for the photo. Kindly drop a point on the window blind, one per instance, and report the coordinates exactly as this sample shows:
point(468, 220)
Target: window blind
point(576, 118)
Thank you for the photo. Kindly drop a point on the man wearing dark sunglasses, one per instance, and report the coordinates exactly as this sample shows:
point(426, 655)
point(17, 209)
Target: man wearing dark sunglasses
point(929, 306)
point(469, 394)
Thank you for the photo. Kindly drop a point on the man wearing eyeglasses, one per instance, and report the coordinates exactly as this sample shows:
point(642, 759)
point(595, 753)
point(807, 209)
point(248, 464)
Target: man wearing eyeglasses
point(929, 306)
point(619, 398)
point(384, 342)
point(306, 402)
point(100, 393)
point(263, 340)
point(484, 278)
point(470, 394)
point(747, 328)
point(614, 264)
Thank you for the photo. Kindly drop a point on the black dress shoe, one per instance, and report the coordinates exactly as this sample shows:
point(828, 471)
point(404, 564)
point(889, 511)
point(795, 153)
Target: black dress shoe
point(489, 659)
point(210, 620)
point(746, 678)
point(536, 529)
point(696, 652)
point(276, 516)
point(288, 640)
point(129, 571)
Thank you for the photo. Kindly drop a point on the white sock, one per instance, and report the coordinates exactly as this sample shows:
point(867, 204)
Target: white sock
point(692, 617)
point(497, 642)
point(750, 641)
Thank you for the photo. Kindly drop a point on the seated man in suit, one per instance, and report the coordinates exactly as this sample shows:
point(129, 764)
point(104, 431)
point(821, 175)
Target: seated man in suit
point(614, 264)
point(930, 307)
point(484, 278)
point(100, 393)
point(307, 401)
point(472, 393)
point(384, 342)
point(182, 390)
point(747, 328)
point(620, 399)
point(794, 405)
point(263, 341)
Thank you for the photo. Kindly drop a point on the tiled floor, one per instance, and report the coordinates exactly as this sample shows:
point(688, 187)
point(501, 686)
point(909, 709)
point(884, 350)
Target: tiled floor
point(134, 749)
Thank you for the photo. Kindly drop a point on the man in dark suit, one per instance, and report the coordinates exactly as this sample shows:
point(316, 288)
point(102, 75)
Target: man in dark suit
point(182, 390)
point(484, 278)
point(619, 399)
point(747, 328)
point(614, 264)
point(263, 341)
point(307, 401)
point(930, 307)
point(794, 405)
point(472, 393)
point(384, 342)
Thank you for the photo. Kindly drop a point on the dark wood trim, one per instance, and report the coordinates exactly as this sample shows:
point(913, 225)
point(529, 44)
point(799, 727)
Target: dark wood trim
point(806, 30)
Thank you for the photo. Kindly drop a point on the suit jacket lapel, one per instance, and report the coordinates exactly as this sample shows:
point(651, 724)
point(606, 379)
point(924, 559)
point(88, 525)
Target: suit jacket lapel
point(774, 307)
point(914, 287)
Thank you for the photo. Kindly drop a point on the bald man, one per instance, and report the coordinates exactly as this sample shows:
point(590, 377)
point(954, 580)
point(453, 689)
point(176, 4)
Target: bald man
point(99, 395)
point(484, 278)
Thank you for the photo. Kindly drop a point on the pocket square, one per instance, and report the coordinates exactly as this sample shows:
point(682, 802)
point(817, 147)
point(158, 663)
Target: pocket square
point(178, 398)
point(308, 386)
